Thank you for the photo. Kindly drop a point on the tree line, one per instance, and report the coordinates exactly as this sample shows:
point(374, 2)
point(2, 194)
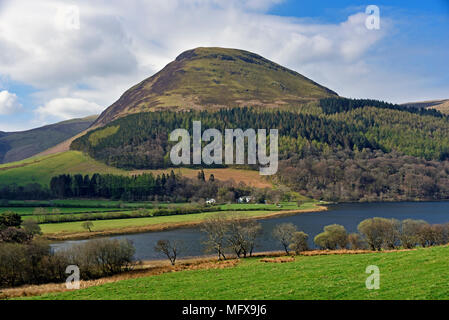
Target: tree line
point(374, 234)
point(336, 105)
point(228, 236)
point(141, 140)
point(35, 262)
point(27, 259)
point(380, 152)
point(365, 175)
point(110, 186)
point(145, 187)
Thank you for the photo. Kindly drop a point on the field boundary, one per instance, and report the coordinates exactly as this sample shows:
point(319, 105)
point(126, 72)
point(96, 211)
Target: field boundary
point(164, 226)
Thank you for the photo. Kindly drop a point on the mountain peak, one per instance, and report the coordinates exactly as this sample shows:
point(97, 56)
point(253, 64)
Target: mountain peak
point(213, 77)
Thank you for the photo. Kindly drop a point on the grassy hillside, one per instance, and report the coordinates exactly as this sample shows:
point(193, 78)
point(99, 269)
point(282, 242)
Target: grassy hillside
point(417, 274)
point(15, 146)
point(440, 105)
point(216, 77)
point(41, 169)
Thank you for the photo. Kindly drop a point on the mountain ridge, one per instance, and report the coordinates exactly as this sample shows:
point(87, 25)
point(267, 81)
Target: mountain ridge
point(19, 145)
point(211, 78)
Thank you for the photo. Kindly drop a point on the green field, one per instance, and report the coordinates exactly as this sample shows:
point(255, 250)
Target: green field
point(42, 169)
point(28, 211)
point(257, 206)
point(99, 208)
point(240, 210)
point(102, 225)
point(86, 203)
point(418, 274)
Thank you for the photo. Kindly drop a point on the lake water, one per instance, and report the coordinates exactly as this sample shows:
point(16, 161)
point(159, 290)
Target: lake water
point(348, 215)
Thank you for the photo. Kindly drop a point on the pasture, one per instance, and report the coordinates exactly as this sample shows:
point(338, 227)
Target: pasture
point(413, 274)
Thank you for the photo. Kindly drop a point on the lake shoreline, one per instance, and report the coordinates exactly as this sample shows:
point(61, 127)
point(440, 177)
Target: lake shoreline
point(165, 226)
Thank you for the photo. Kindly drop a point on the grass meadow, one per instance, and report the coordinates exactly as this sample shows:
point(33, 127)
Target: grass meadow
point(414, 274)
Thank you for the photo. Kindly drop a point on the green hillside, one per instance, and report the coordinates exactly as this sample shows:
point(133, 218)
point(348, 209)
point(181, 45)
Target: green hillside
point(42, 169)
point(417, 274)
point(334, 149)
point(15, 146)
point(440, 105)
point(205, 78)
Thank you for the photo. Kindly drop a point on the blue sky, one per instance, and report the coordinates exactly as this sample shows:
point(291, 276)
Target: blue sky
point(52, 69)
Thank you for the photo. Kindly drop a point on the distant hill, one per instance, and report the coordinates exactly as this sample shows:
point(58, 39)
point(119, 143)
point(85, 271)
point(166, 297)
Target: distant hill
point(41, 169)
point(440, 105)
point(15, 146)
point(210, 78)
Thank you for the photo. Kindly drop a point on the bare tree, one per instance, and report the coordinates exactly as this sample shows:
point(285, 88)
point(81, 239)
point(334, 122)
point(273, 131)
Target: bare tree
point(87, 225)
point(430, 235)
point(299, 242)
point(356, 242)
point(216, 229)
point(391, 233)
point(170, 248)
point(372, 230)
point(32, 227)
point(243, 235)
point(409, 233)
point(380, 232)
point(284, 233)
point(251, 231)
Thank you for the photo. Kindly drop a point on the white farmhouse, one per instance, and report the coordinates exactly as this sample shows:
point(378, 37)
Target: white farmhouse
point(245, 199)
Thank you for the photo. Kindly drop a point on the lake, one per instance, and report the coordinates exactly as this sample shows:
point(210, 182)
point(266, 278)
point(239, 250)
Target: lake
point(349, 215)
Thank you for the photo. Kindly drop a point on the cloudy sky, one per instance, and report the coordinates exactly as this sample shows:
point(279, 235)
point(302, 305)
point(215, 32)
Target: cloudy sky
point(67, 59)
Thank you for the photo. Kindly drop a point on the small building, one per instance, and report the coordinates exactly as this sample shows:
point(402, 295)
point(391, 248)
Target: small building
point(245, 199)
point(211, 201)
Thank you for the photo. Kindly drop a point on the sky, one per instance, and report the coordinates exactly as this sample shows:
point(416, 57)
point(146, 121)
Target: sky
point(67, 59)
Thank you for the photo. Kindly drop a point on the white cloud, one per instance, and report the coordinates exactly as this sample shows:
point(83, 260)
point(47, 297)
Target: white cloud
point(67, 108)
point(118, 45)
point(135, 40)
point(8, 103)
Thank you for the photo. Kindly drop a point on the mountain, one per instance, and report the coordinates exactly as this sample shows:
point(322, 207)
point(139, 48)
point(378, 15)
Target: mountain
point(330, 148)
point(440, 105)
point(210, 78)
point(15, 146)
